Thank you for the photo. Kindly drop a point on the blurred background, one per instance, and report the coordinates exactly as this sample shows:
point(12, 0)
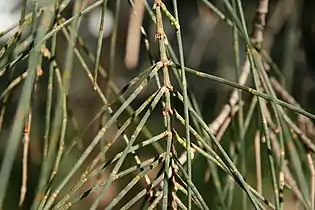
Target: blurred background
point(289, 37)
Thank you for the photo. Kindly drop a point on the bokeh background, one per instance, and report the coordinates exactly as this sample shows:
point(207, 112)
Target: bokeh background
point(289, 37)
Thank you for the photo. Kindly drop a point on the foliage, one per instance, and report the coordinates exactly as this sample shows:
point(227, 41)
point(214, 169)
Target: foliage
point(159, 153)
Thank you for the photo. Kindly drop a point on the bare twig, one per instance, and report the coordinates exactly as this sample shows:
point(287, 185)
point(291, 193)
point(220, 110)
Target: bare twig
point(256, 36)
point(312, 182)
point(26, 140)
point(134, 35)
point(305, 123)
point(277, 19)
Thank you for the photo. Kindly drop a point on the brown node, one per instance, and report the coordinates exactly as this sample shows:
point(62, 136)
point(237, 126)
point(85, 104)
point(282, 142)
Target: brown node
point(170, 87)
point(45, 52)
point(168, 133)
point(39, 71)
point(160, 36)
point(167, 87)
point(26, 129)
point(158, 3)
point(167, 63)
point(168, 112)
